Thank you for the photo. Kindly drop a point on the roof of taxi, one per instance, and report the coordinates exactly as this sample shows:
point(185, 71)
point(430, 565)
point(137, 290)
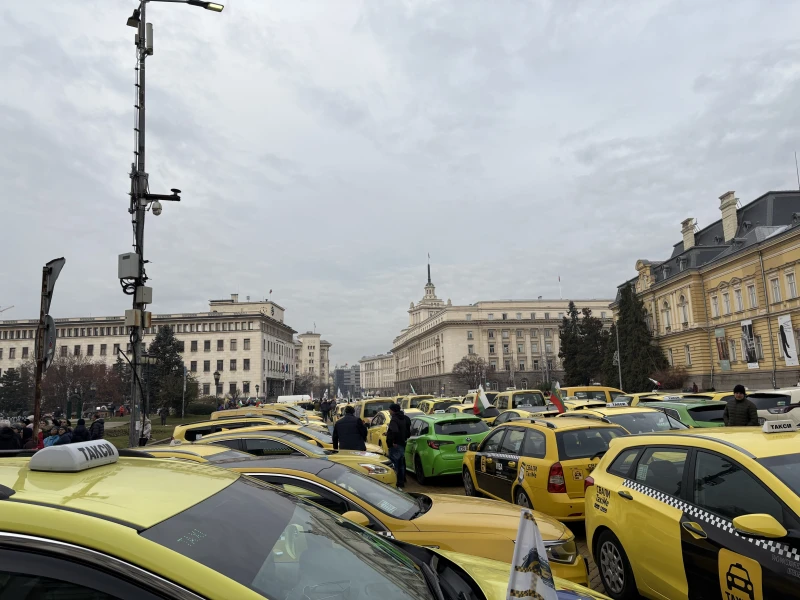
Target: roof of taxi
point(299, 463)
point(131, 491)
point(750, 441)
point(446, 417)
point(558, 423)
point(610, 410)
point(197, 449)
point(686, 403)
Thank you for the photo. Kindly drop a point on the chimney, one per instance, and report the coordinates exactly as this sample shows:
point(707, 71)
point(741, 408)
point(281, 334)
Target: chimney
point(234, 298)
point(687, 229)
point(730, 222)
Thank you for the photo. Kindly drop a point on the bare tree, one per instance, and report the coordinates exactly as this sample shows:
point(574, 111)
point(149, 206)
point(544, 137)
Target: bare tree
point(471, 370)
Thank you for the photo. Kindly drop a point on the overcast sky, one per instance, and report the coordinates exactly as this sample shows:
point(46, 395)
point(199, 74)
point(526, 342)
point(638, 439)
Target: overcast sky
point(325, 147)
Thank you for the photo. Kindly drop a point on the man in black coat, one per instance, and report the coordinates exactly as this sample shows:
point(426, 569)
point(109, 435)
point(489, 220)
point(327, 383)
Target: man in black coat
point(349, 433)
point(80, 433)
point(398, 431)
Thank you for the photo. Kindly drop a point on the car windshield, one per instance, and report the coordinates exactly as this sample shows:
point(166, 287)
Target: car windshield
point(301, 442)
point(528, 399)
point(585, 443)
point(373, 408)
point(281, 546)
point(461, 427)
point(317, 434)
point(593, 395)
point(384, 498)
point(786, 468)
point(707, 414)
point(765, 401)
point(645, 422)
point(414, 402)
point(444, 404)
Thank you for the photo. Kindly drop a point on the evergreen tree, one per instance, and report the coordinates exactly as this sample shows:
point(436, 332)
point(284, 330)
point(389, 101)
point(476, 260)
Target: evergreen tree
point(593, 342)
point(639, 357)
point(570, 346)
point(163, 380)
point(16, 391)
point(610, 370)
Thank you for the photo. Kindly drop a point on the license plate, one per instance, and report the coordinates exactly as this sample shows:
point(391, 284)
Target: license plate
point(462, 448)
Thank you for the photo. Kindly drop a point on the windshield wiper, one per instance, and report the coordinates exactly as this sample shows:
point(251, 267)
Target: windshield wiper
point(432, 580)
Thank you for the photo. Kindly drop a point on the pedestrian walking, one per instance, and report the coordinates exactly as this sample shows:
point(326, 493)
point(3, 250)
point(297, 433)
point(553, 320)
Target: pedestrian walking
point(349, 433)
point(694, 387)
point(740, 411)
point(325, 408)
point(397, 433)
point(163, 412)
point(81, 433)
point(97, 430)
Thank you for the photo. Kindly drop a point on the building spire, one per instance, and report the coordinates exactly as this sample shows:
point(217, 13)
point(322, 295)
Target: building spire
point(429, 268)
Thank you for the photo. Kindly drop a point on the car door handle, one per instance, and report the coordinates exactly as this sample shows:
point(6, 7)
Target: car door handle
point(512, 464)
point(488, 460)
point(625, 495)
point(695, 530)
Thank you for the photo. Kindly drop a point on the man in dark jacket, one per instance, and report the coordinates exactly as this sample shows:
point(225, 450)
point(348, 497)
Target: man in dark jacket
point(64, 437)
point(80, 433)
point(98, 428)
point(349, 433)
point(9, 440)
point(740, 411)
point(325, 408)
point(398, 431)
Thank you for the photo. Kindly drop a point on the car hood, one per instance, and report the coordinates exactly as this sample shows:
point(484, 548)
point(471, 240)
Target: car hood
point(492, 577)
point(348, 457)
point(478, 515)
point(374, 449)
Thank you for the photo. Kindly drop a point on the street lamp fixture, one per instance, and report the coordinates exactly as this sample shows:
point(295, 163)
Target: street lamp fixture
point(256, 391)
point(207, 5)
point(216, 383)
point(133, 20)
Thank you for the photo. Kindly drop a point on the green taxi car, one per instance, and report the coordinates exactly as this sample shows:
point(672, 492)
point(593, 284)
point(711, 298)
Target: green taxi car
point(438, 443)
point(694, 413)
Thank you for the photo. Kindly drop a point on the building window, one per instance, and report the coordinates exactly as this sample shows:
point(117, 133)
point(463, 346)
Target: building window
point(469, 335)
point(688, 353)
point(491, 334)
point(505, 334)
point(76, 351)
point(534, 333)
point(548, 347)
point(233, 345)
point(220, 365)
point(520, 348)
point(667, 316)
point(603, 314)
point(89, 351)
point(533, 316)
point(751, 294)
point(560, 315)
point(206, 389)
point(12, 353)
point(547, 315)
point(507, 365)
point(505, 349)
point(732, 347)
point(669, 357)
point(246, 387)
point(247, 344)
point(535, 347)
point(726, 303)
point(207, 346)
point(491, 316)
point(116, 349)
point(220, 345)
point(233, 364)
point(103, 348)
point(246, 364)
point(737, 299)
point(714, 306)
point(759, 348)
point(62, 350)
point(470, 349)
point(491, 348)
point(791, 286)
point(505, 316)
point(775, 286)
point(684, 309)
point(194, 345)
point(193, 366)
point(219, 389)
point(548, 333)
point(206, 366)
point(232, 388)
point(519, 316)
point(469, 317)
point(521, 364)
point(492, 364)
point(535, 365)
point(520, 333)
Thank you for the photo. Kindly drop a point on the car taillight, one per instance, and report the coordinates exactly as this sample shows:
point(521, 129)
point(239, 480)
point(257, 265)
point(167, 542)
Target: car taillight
point(555, 482)
point(435, 444)
point(780, 410)
point(589, 481)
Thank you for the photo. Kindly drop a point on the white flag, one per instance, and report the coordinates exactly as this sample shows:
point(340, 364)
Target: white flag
point(530, 570)
point(412, 389)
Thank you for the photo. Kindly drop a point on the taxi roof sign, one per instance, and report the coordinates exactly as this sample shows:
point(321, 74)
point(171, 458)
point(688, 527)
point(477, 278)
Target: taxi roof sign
point(778, 426)
point(72, 458)
point(619, 403)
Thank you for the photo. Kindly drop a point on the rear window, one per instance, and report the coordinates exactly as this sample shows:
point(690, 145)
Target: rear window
point(528, 399)
point(460, 427)
point(585, 443)
point(765, 401)
point(594, 395)
point(443, 405)
point(644, 422)
point(707, 414)
point(373, 408)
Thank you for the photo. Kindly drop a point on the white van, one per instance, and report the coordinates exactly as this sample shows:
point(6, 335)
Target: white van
point(294, 399)
point(777, 405)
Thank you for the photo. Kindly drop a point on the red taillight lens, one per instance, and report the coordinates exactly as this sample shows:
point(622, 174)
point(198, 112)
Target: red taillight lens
point(555, 482)
point(589, 481)
point(436, 444)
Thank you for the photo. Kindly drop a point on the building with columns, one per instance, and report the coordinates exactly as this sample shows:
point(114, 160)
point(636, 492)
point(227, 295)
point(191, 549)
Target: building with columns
point(312, 355)
point(377, 374)
point(725, 304)
point(517, 338)
point(247, 343)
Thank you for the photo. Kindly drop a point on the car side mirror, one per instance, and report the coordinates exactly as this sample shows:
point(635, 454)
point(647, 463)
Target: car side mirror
point(357, 518)
point(759, 525)
point(473, 447)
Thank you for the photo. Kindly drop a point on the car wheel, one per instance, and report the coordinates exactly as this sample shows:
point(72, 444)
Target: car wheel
point(521, 499)
point(615, 569)
point(469, 485)
point(419, 473)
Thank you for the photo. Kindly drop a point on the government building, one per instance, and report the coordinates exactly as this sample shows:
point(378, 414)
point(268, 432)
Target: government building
point(518, 339)
point(247, 343)
point(724, 304)
point(377, 374)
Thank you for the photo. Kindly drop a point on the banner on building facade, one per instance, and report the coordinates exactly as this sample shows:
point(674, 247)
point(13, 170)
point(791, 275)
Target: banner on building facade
point(787, 341)
point(722, 349)
point(749, 344)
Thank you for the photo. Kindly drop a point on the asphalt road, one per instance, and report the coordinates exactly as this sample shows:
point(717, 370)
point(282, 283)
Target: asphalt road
point(453, 485)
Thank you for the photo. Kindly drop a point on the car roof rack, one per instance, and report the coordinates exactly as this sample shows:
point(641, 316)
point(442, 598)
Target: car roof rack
point(548, 424)
point(593, 417)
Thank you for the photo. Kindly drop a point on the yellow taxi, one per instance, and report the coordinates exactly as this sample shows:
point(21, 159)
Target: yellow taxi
point(635, 419)
point(432, 405)
point(79, 521)
point(488, 415)
point(376, 432)
point(467, 525)
point(636, 399)
point(575, 403)
point(469, 398)
point(538, 463)
point(412, 400)
point(511, 399)
point(284, 443)
point(192, 432)
point(268, 409)
point(367, 409)
point(296, 411)
point(725, 396)
point(514, 415)
point(698, 513)
point(592, 392)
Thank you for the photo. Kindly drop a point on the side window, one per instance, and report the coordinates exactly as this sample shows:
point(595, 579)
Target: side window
point(502, 402)
point(308, 491)
point(672, 413)
point(623, 463)
point(724, 488)
point(267, 448)
point(534, 446)
point(424, 428)
point(512, 443)
point(662, 469)
point(492, 442)
point(452, 409)
point(415, 424)
point(229, 443)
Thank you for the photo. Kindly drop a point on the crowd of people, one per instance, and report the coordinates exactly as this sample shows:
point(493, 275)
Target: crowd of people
point(19, 435)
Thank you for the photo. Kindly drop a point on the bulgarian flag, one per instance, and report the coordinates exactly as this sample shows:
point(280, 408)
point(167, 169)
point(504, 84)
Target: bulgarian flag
point(481, 402)
point(555, 398)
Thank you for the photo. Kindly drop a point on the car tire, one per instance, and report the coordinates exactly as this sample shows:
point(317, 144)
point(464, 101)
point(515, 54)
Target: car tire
point(419, 473)
point(522, 499)
point(469, 484)
point(614, 567)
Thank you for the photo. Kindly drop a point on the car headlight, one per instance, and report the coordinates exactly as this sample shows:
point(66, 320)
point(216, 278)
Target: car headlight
point(562, 552)
point(374, 469)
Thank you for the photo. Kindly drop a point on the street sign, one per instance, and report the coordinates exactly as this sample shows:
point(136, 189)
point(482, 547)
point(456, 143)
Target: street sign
point(54, 270)
point(49, 342)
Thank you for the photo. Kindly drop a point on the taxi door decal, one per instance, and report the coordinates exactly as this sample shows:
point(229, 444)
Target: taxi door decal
point(739, 577)
point(483, 463)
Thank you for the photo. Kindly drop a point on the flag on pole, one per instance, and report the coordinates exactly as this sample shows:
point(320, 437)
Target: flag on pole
point(325, 395)
point(338, 393)
point(555, 398)
point(412, 389)
point(657, 384)
point(481, 401)
point(531, 577)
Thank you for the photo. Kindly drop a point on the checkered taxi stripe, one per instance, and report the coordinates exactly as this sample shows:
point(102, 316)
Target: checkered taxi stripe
point(770, 546)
